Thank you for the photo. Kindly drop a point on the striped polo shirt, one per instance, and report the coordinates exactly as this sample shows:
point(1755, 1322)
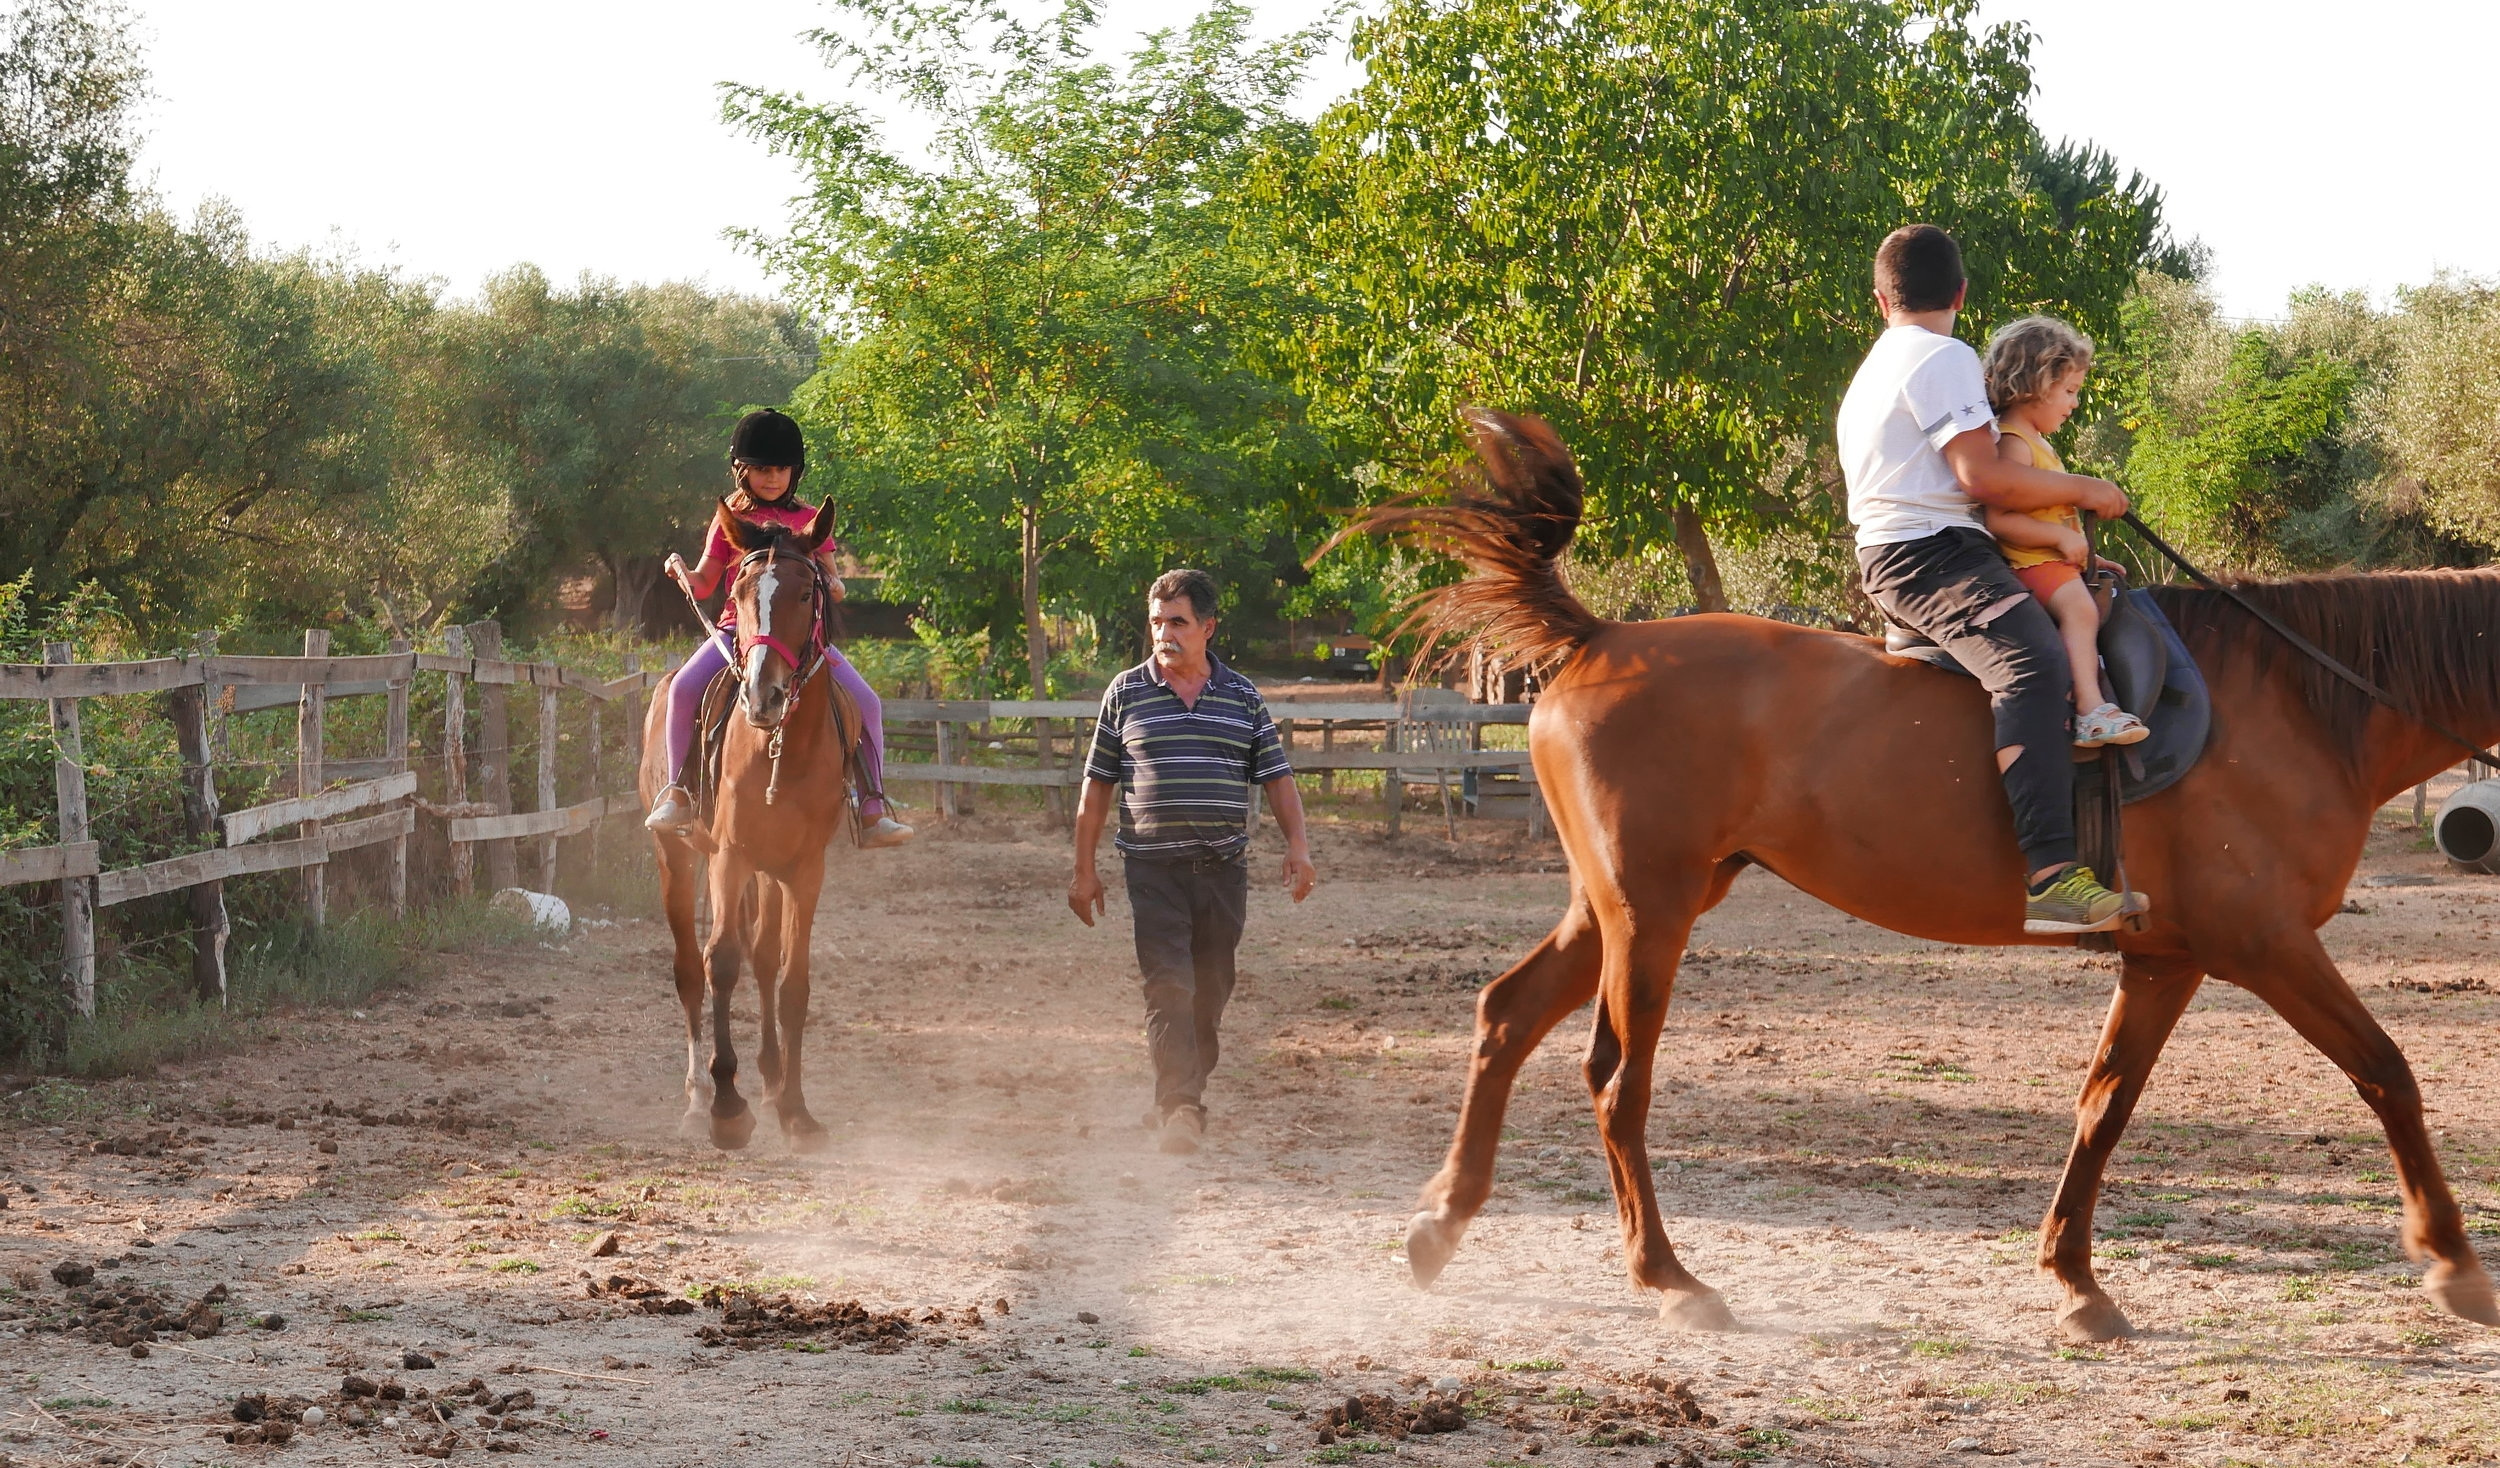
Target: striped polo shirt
point(1185, 772)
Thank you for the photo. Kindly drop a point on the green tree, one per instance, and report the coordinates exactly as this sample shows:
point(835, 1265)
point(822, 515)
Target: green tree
point(601, 416)
point(1651, 222)
point(2438, 416)
point(1042, 382)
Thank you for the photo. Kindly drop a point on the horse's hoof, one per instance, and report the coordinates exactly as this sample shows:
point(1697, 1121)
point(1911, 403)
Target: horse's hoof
point(729, 1133)
point(2463, 1290)
point(1699, 1308)
point(1429, 1245)
point(2094, 1318)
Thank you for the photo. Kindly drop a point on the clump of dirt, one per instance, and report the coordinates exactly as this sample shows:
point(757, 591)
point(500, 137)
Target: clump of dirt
point(2465, 985)
point(749, 1321)
point(1631, 1419)
point(125, 1318)
point(428, 1424)
point(641, 1293)
point(1381, 1416)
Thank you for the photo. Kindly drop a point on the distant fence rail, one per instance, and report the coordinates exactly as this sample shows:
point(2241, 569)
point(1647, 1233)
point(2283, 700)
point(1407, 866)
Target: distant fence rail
point(346, 804)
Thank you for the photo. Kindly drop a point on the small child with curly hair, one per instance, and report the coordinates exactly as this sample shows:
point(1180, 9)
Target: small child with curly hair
point(2034, 372)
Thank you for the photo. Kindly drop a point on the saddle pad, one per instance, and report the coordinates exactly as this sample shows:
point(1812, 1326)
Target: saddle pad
point(2181, 715)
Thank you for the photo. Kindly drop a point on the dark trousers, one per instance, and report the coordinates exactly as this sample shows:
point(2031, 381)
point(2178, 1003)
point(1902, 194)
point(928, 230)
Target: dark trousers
point(1940, 587)
point(1188, 917)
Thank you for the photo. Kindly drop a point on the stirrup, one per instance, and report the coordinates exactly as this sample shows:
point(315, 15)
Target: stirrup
point(675, 815)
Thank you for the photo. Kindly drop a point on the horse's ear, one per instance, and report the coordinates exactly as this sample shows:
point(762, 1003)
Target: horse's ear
point(820, 529)
point(732, 529)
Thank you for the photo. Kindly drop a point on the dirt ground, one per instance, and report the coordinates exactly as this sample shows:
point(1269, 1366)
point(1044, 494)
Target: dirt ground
point(1856, 1134)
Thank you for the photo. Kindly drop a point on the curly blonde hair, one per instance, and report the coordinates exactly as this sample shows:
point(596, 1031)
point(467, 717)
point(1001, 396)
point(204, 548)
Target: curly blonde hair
point(2026, 357)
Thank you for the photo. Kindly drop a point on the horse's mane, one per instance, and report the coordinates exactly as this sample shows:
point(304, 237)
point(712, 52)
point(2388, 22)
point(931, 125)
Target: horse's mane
point(2431, 638)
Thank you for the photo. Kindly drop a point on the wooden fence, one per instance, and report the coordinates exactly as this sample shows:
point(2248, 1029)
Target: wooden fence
point(377, 805)
point(358, 801)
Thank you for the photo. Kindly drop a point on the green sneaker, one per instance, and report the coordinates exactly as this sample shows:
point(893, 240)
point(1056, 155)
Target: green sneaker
point(2077, 903)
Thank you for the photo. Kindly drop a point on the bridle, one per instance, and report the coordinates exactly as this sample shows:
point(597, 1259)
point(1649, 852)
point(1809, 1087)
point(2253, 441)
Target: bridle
point(803, 667)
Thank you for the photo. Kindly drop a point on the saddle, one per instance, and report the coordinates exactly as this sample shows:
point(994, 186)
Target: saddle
point(2151, 676)
point(720, 699)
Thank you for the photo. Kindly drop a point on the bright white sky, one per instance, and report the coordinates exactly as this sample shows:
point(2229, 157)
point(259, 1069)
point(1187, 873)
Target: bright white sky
point(2304, 141)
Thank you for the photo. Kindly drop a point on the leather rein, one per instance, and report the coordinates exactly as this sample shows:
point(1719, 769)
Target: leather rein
point(2311, 650)
point(802, 668)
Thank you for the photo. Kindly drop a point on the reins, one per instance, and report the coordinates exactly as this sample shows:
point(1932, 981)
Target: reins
point(802, 669)
point(2311, 650)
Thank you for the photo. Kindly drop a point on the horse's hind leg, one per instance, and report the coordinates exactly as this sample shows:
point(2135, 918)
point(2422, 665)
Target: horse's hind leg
point(1644, 944)
point(2301, 982)
point(2151, 996)
point(731, 1122)
point(1513, 1014)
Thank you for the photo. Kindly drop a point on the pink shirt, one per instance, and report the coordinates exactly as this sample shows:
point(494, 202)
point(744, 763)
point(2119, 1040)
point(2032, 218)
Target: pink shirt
point(790, 514)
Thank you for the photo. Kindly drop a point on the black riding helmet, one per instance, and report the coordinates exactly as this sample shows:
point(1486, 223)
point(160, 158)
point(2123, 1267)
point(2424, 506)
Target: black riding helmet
point(771, 437)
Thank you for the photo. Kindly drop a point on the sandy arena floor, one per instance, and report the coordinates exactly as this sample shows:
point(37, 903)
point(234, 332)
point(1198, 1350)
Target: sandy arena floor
point(1855, 1136)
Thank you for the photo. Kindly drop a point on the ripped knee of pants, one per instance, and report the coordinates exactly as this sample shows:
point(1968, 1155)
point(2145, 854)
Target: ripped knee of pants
point(2007, 756)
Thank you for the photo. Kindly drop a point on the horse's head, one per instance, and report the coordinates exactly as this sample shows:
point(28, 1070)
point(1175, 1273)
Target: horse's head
point(780, 597)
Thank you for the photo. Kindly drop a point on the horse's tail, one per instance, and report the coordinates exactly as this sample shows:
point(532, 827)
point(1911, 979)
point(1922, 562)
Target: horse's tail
point(1509, 532)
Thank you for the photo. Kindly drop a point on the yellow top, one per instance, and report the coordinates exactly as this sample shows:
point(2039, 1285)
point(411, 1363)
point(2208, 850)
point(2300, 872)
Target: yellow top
point(2044, 457)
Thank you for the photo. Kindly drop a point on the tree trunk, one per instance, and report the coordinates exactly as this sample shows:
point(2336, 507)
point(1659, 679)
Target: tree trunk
point(1701, 564)
point(634, 577)
point(1037, 646)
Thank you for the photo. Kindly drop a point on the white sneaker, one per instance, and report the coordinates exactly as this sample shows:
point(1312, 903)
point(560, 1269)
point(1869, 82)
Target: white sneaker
point(2109, 724)
point(886, 832)
point(674, 814)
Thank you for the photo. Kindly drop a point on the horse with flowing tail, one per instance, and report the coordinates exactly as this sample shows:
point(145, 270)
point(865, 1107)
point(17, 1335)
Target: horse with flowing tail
point(1675, 754)
point(781, 796)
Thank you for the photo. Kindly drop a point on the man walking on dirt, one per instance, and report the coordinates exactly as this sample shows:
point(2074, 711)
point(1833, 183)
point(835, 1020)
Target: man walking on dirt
point(1181, 742)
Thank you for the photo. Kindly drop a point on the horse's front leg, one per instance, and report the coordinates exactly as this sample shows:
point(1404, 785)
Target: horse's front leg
point(764, 955)
point(678, 880)
point(731, 1122)
point(2151, 995)
point(2302, 984)
point(796, 911)
point(1513, 1014)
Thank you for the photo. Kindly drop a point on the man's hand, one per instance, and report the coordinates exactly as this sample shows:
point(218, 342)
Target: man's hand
point(1300, 875)
point(1085, 895)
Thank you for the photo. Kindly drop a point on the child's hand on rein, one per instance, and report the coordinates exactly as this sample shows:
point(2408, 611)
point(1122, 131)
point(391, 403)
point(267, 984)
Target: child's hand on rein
point(2073, 549)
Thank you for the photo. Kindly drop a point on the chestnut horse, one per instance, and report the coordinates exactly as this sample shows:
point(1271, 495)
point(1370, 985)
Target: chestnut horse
point(783, 794)
point(1675, 754)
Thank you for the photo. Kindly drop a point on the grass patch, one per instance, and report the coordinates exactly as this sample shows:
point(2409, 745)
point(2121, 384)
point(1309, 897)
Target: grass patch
point(1938, 1346)
point(1539, 1363)
point(965, 1405)
point(1271, 1374)
point(515, 1266)
point(2219, 1259)
point(2300, 1287)
point(1199, 1386)
point(146, 1016)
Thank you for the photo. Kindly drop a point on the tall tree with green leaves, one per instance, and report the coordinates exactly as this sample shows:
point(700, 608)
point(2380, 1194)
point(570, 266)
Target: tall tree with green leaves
point(1651, 221)
point(1040, 386)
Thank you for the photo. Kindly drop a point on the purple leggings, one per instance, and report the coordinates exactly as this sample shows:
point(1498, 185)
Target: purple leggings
point(685, 707)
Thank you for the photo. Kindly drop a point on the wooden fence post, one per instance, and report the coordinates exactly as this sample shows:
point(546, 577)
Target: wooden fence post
point(495, 755)
point(308, 776)
point(1392, 790)
point(456, 759)
point(189, 708)
point(598, 779)
point(547, 785)
point(2421, 805)
point(69, 793)
point(1327, 743)
point(945, 791)
point(395, 749)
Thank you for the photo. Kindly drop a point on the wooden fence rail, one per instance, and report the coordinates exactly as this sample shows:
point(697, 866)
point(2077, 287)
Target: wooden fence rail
point(353, 802)
point(312, 817)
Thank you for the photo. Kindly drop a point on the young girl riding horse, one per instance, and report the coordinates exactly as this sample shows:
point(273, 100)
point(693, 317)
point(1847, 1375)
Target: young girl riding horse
point(767, 454)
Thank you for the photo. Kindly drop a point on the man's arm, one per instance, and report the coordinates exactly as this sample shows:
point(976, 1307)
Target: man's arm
point(1994, 480)
point(1285, 799)
point(1093, 811)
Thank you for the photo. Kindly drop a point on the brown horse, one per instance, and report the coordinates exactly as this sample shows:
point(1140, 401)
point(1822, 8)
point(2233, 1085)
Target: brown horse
point(1675, 754)
point(782, 796)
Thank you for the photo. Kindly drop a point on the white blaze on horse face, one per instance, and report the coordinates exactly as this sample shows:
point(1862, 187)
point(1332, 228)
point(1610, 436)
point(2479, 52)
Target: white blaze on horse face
point(766, 585)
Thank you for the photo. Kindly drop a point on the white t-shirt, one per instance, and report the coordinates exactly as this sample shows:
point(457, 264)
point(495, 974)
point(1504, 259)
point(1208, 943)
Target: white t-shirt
point(1914, 393)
